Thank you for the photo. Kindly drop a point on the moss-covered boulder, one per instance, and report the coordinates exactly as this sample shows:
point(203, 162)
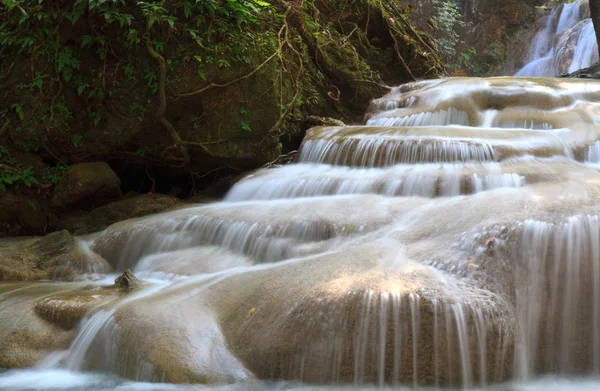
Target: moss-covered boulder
point(91, 184)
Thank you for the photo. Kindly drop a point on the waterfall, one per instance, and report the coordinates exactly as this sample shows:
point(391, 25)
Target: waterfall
point(566, 44)
point(452, 241)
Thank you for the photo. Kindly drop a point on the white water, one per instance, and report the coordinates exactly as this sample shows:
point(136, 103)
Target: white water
point(549, 54)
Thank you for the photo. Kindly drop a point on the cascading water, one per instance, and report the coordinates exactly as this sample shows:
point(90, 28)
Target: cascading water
point(452, 241)
point(566, 44)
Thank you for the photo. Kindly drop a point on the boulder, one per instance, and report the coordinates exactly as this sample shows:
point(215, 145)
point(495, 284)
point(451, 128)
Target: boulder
point(126, 281)
point(21, 215)
point(127, 208)
point(67, 309)
point(86, 184)
point(56, 256)
point(25, 337)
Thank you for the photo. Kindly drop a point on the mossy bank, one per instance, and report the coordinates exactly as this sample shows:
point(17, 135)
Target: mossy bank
point(180, 94)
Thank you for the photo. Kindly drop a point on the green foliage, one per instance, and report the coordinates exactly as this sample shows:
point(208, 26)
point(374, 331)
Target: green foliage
point(467, 60)
point(12, 175)
point(18, 110)
point(67, 64)
point(96, 117)
point(244, 124)
point(56, 172)
point(31, 28)
point(76, 139)
point(37, 82)
point(17, 178)
point(448, 19)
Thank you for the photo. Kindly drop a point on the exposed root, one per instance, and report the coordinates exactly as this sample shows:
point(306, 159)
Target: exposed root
point(162, 108)
point(396, 45)
point(10, 69)
point(384, 87)
point(4, 127)
point(215, 85)
point(292, 104)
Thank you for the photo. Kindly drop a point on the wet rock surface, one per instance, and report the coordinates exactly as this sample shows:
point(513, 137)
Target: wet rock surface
point(57, 256)
point(67, 309)
point(126, 281)
point(25, 337)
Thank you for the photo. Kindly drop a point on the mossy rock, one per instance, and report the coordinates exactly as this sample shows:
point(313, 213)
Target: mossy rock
point(94, 184)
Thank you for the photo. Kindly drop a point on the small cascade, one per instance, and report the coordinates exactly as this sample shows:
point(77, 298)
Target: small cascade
point(566, 44)
point(379, 152)
point(586, 51)
point(561, 262)
point(267, 241)
point(392, 329)
point(592, 154)
point(451, 116)
point(424, 180)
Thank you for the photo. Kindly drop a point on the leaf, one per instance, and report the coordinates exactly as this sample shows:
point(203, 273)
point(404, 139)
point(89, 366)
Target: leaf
point(80, 89)
point(37, 83)
point(201, 74)
point(246, 126)
point(2, 187)
point(67, 74)
point(87, 39)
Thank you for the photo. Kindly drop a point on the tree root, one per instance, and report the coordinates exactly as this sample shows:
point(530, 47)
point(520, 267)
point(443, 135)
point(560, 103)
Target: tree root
point(292, 104)
point(3, 128)
point(162, 108)
point(215, 85)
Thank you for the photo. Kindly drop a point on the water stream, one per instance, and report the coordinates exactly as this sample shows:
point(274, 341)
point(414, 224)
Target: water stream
point(566, 44)
point(451, 242)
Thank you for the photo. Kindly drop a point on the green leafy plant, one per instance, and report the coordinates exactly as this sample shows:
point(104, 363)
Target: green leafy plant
point(18, 110)
point(16, 177)
point(56, 172)
point(448, 19)
point(67, 63)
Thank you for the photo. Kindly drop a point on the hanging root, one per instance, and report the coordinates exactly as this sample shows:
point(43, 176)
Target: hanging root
point(276, 127)
point(162, 108)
